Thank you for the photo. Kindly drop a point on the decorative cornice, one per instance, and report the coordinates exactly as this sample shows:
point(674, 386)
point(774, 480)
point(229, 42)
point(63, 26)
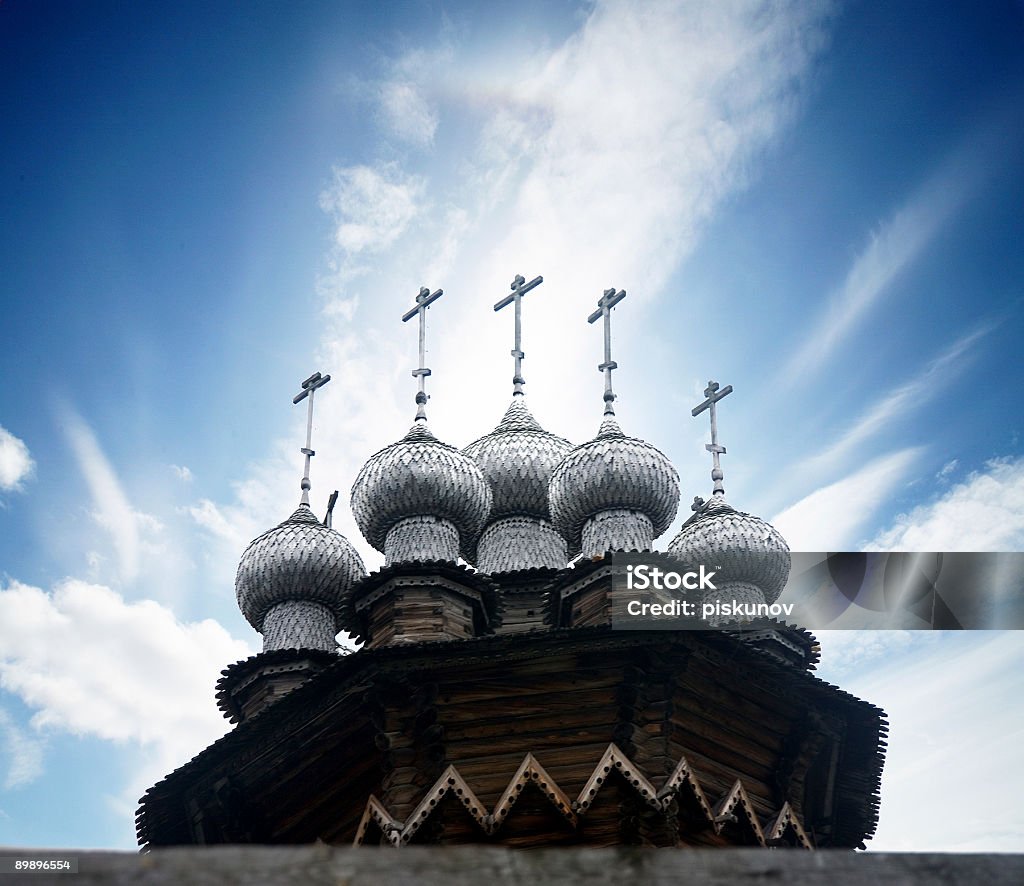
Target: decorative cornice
point(399, 833)
point(238, 675)
point(475, 586)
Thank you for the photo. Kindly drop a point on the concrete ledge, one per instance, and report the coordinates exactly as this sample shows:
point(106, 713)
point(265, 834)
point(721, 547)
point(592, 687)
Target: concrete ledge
point(313, 865)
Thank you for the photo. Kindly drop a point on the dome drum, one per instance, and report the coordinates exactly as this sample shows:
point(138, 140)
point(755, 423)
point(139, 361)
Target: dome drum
point(617, 529)
point(421, 538)
point(509, 544)
point(299, 624)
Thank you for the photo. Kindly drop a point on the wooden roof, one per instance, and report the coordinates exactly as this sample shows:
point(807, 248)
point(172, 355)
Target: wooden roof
point(301, 742)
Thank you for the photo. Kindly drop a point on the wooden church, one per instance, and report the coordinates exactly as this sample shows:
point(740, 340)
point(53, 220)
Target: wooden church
point(491, 700)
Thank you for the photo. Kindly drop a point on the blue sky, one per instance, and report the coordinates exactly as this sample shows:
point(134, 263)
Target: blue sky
point(204, 203)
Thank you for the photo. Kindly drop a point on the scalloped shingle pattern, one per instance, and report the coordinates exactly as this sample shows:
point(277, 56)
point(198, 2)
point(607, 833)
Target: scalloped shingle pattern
point(421, 538)
point(612, 472)
point(513, 543)
point(518, 458)
point(420, 476)
point(616, 530)
point(299, 559)
point(299, 624)
point(746, 549)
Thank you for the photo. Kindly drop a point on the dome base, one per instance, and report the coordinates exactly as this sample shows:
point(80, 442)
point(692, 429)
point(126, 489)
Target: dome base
point(421, 538)
point(299, 624)
point(513, 543)
point(617, 529)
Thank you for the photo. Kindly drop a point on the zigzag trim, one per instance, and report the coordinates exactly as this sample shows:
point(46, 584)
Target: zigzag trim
point(683, 779)
point(725, 810)
point(613, 758)
point(682, 776)
point(786, 820)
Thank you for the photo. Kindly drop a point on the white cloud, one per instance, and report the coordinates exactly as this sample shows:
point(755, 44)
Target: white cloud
point(228, 535)
point(640, 124)
point(182, 473)
point(371, 207)
point(946, 471)
point(846, 652)
point(830, 518)
point(985, 512)
point(91, 664)
point(16, 463)
point(406, 113)
point(24, 753)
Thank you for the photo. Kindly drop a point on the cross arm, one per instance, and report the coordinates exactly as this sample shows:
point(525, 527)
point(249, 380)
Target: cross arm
point(610, 300)
point(316, 380)
point(519, 291)
point(428, 299)
point(711, 400)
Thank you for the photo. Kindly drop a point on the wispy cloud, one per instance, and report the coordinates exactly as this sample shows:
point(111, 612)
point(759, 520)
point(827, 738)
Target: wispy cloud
point(900, 401)
point(947, 470)
point(16, 463)
point(182, 472)
point(371, 207)
point(831, 518)
point(24, 753)
point(405, 98)
point(111, 506)
point(985, 512)
point(891, 249)
point(406, 113)
point(846, 652)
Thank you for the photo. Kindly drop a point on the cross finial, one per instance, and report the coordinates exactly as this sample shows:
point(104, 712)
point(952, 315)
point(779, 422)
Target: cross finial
point(519, 288)
point(713, 395)
point(604, 309)
point(424, 300)
point(309, 386)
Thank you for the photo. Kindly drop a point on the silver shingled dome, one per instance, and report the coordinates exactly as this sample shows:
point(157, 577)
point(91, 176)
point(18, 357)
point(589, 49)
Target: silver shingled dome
point(420, 476)
point(744, 548)
point(517, 458)
point(298, 560)
point(612, 471)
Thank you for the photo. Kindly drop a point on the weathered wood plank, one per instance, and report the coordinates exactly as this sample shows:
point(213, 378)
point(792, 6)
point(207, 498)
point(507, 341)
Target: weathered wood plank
point(316, 865)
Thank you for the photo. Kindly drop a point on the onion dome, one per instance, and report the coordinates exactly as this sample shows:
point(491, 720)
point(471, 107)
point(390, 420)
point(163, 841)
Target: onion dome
point(293, 581)
point(620, 483)
point(518, 458)
point(749, 553)
point(420, 499)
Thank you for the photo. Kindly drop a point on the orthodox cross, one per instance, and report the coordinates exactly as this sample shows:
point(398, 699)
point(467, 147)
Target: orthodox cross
point(309, 386)
point(604, 309)
point(423, 301)
point(519, 288)
point(713, 395)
